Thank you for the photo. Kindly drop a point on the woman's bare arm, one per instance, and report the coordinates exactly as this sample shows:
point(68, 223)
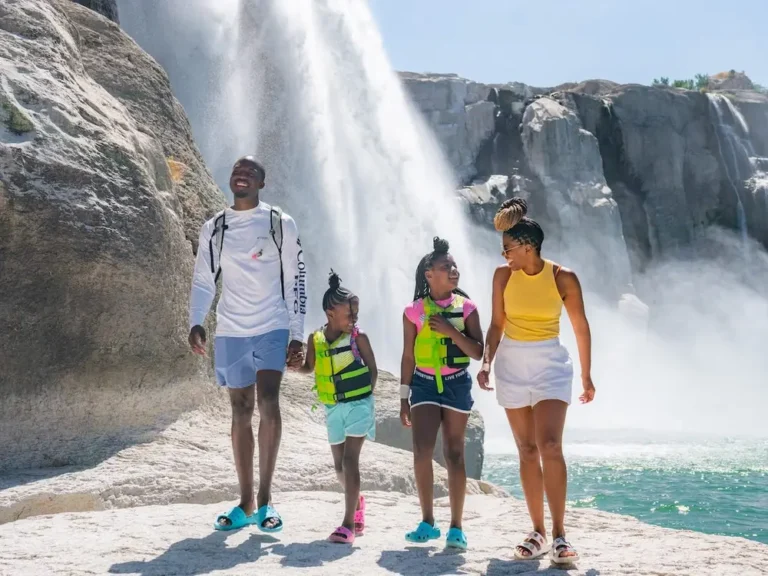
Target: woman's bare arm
point(573, 299)
point(498, 317)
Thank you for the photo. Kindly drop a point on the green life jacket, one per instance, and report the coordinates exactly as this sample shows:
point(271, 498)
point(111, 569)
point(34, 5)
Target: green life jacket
point(339, 375)
point(434, 350)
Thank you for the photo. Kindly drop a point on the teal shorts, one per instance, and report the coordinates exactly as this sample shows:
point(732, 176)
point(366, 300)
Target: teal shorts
point(355, 418)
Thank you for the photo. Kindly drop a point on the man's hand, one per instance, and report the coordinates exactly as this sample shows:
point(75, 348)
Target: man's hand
point(295, 355)
point(197, 340)
point(405, 413)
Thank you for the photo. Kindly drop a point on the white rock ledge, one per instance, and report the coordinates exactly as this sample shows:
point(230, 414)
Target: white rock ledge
point(179, 539)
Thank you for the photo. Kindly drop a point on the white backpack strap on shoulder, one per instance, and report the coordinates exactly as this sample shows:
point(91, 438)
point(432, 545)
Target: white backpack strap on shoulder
point(276, 231)
point(216, 243)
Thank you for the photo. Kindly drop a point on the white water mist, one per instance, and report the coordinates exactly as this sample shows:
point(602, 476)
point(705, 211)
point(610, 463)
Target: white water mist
point(306, 86)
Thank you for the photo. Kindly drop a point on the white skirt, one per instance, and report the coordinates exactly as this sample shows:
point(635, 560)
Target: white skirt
point(528, 372)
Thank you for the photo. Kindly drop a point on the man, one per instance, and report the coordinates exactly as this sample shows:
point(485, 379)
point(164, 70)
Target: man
point(256, 250)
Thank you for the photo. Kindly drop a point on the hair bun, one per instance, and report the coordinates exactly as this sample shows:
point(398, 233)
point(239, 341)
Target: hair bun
point(333, 280)
point(510, 213)
point(440, 246)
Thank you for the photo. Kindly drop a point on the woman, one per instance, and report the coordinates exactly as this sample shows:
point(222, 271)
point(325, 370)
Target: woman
point(533, 370)
point(441, 332)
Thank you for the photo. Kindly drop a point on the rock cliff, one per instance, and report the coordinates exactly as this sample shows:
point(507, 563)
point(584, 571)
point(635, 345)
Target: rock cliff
point(637, 173)
point(101, 192)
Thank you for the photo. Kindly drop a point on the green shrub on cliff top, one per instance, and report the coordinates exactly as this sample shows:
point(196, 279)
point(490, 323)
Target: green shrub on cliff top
point(685, 84)
point(700, 82)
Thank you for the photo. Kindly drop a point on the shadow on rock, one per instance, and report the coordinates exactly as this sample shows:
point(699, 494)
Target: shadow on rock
point(193, 556)
point(498, 567)
point(309, 554)
point(421, 561)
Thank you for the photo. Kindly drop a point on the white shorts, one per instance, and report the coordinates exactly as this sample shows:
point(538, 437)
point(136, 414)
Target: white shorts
point(528, 372)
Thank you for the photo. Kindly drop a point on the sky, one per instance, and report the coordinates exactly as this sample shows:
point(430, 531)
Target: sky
point(549, 42)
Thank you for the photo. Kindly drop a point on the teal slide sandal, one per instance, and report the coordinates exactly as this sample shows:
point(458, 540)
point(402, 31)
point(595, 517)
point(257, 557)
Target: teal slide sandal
point(237, 519)
point(265, 513)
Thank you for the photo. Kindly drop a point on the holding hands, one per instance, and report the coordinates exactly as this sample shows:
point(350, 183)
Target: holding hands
point(295, 355)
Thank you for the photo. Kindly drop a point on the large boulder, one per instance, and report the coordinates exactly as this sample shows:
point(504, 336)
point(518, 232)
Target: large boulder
point(730, 80)
point(390, 430)
point(101, 192)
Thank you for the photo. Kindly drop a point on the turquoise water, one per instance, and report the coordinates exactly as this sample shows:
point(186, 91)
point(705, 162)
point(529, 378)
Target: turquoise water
point(717, 486)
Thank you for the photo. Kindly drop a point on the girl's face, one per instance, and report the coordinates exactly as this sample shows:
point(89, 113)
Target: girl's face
point(343, 317)
point(515, 253)
point(444, 275)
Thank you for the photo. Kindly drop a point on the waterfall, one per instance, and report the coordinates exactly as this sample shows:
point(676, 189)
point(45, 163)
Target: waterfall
point(306, 86)
point(735, 151)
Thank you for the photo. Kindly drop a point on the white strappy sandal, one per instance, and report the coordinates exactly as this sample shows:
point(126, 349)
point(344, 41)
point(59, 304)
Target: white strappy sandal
point(535, 543)
point(559, 546)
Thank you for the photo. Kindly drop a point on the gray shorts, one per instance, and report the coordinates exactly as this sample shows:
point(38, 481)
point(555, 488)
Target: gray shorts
point(237, 360)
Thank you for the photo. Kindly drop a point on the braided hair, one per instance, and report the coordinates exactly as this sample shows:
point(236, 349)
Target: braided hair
point(511, 219)
point(440, 249)
point(336, 293)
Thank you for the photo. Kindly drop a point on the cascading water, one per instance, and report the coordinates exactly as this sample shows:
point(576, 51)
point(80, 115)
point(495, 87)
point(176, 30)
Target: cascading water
point(307, 87)
point(735, 151)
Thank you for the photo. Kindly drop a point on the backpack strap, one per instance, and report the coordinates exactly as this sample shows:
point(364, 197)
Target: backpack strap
point(216, 243)
point(276, 231)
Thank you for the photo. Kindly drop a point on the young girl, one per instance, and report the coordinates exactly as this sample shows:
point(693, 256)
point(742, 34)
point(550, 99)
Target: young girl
point(441, 333)
point(345, 376)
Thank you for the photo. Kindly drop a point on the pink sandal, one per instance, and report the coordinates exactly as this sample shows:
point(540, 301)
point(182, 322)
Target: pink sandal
point(360, 517)
point(342, 535)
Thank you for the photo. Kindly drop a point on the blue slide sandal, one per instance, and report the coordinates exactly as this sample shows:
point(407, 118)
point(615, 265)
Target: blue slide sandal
point(456, 539)
point(423, 533)
point(237, 519)
point(265, 513)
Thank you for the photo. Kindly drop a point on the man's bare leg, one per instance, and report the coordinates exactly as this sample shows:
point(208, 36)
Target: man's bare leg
point(270, 433)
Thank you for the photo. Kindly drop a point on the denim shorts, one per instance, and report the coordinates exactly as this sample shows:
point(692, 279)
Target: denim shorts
point(355, 418)
point(457, 391)
point(237, 360)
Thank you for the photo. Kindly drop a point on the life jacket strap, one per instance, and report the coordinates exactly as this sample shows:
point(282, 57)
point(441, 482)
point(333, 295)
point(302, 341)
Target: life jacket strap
point(352, 393)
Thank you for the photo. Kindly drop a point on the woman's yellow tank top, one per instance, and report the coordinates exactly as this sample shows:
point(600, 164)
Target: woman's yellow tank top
point(532, 305)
